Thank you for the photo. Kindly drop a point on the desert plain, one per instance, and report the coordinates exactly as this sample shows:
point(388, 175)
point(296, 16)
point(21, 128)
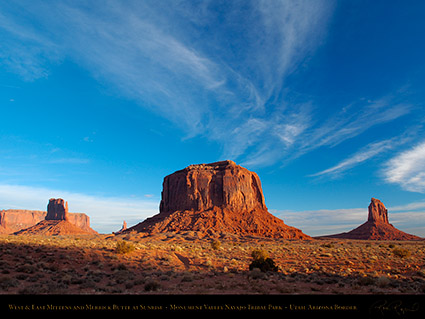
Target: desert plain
point(188, 263)
point(213, 235)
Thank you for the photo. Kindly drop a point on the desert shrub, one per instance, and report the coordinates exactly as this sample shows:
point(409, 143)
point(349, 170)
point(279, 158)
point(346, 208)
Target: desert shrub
point(262, 261)
point(122, 276)
point(421, 273)
point(259, 254)
point(215, 244)
point(152, 285)
point(366, 281)
point(121, 267)
point(264, 265)
point(28, 269)
point(383, 281)
point(21, 277)
point(129, 285)
point(401, 252)
point(6, 283)
point(123, 247)
point(187, 278)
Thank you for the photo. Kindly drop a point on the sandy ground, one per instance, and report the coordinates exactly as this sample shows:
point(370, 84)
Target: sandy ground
point(186, 264)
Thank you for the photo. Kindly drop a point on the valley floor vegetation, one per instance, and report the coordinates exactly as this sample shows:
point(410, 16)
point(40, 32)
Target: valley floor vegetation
point(186, 264)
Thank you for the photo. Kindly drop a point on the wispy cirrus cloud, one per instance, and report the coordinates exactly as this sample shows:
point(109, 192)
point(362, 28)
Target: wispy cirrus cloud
point(198, 67)
point(297, 130)
point(365, 153)
point(161, 56)
point(69, 160)
point(353, 120)
point(407, 169)
point(409, 207)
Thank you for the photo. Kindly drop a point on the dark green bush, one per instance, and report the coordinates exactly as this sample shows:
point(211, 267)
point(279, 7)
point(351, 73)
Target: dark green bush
point(152, 285)
point(262, 261)
point(264, 265)
point(366, 281)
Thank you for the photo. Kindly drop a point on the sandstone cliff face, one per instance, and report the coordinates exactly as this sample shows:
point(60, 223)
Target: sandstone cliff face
point(12, 220)
point(220, 197)
point(202, 187)
point(377, 226)
point(80, 220)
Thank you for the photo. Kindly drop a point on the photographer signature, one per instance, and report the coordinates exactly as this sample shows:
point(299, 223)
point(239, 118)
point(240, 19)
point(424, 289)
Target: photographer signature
point(397, 306)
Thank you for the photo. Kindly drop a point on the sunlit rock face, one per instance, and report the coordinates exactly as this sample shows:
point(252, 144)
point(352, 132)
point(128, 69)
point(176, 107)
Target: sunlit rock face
point(219, 197)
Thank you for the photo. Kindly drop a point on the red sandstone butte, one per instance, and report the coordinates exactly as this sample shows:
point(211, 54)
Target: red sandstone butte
point(13, 220)
point(56, 222)
point(220, 197)
point(377, 226)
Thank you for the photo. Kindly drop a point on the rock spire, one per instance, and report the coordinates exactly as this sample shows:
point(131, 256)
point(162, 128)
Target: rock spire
point(377, 226)
point(57, 209)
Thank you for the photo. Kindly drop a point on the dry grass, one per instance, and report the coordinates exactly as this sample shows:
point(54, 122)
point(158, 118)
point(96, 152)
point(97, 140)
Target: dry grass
point(183, 263)
point(123, 247)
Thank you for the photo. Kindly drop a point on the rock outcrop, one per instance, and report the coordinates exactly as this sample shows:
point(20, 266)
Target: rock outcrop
point(57, 209)
point(220, 197)
point(57, 221)
point(377, 226)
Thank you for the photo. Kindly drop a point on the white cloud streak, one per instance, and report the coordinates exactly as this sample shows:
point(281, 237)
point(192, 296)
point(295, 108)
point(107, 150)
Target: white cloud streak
point(408, 207)
point(369, 151)
point(149, 52)
point(407, 169)
point(227, 84)
point(353, 120)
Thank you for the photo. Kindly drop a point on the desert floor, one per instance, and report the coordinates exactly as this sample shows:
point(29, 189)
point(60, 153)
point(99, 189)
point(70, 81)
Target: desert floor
point(186, 264)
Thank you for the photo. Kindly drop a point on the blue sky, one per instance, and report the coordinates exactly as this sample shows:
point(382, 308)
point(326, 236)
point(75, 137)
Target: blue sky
point(100, 100)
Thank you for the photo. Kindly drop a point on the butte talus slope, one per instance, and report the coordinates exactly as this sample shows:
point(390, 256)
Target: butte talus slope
point(56, 222)
point(377, 226)
point(216, 198)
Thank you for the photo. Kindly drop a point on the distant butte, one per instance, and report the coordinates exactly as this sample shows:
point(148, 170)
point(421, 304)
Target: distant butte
point(56, 222)
point(377, 226)
point(215, 198)
point(13, 220)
